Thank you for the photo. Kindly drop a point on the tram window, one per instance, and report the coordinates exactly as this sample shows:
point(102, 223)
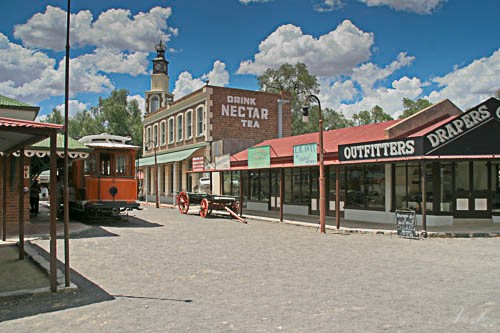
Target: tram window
point(89, 165)
point(121, 165)
point(105, 164)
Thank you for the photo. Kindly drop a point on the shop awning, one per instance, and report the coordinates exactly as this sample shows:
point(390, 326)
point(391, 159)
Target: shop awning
point(42, 148)
point(163, 158)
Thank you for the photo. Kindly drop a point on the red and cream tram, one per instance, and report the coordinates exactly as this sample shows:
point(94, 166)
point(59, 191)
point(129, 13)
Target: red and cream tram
point(105, 183)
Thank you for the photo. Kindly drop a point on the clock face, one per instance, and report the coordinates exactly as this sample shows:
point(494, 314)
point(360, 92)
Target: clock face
point(158, 66)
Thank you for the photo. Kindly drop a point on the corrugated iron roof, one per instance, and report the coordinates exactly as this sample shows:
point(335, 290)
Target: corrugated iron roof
point(283, 147)
point(12, 103)
point(9, 122)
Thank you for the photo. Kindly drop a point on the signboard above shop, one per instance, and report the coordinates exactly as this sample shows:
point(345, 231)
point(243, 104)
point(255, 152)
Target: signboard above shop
point(306, 154)
point(380, 149)
point(198, 163)
point(259, 157)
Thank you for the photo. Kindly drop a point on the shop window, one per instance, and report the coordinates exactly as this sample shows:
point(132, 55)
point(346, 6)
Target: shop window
point(365, 187)
point(231, 184)
point(355, 187)
point(259, 185)
point(495, 186)
point(375, 186)
point(445, 198)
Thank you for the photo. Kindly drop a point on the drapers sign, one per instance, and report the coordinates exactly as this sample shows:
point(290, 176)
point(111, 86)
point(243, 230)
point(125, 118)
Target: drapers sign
point(380, 150)
point(475, 117)
point(259, 157)
point(306, 154)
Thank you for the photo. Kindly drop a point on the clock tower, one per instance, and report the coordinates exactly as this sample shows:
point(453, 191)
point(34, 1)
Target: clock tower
point(159, 95)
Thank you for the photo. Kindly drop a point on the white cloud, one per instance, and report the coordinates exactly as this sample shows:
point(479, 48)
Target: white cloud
point(414, 6)
point(471, 84)
point(246, 2)
point(114, 61)
point(335, 53)
point(74, 107)
point(390, 99)
point(20, 65)
point(328, 5)
point(114, 28)
point(186, 84)
point(140, 100)
point(38, 77)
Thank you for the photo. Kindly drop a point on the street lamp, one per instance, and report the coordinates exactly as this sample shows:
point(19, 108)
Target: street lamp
point(148, 146)
point(305, 114)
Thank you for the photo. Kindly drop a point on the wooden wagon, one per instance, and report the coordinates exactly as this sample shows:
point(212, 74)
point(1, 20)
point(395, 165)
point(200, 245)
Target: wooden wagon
point(209, 202)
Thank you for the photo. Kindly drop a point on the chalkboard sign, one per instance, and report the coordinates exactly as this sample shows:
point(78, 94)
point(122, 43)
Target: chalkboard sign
point(406, 223)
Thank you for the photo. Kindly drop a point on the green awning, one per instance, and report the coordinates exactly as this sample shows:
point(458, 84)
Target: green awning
point(163, 158)
point(42, 148)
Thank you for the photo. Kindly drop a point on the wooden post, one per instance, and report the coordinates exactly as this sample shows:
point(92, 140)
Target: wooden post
point(282, 192)
point(53, 212)
point(4, 198)
point(21, 204)
point(423, 208)
point(337, 196)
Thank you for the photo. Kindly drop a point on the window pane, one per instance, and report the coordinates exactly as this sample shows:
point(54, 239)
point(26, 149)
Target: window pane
point(414, 188)
point(480, 176)
point(462, 176)
point(446, 188)
point(400, 186)
point(288, 185)
point(375, 180)
point(355, 187)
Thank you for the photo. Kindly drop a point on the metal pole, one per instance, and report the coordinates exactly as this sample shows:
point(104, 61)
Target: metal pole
point(322, 191)
point(21, 204)
point(66, 168)
point(53, 212)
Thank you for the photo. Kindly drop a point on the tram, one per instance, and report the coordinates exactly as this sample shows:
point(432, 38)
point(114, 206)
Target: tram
point(105, 183)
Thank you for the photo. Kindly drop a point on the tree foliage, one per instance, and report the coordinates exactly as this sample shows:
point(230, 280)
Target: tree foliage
point(55, 117)
point(114, 115)
point(411, 107)
point(295, 79)
point(375, 115)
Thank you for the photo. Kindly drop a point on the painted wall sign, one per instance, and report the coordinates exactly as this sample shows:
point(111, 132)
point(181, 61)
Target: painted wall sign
point(245, 108)
point(380, 149)
point(463, 124)
point(306, 154)
point(223, 162)
point(259, 157)
point(198, 163)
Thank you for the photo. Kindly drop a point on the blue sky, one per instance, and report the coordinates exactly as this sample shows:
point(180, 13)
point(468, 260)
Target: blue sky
point(364, 52)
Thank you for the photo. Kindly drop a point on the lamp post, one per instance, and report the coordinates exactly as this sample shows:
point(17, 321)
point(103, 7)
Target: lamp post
point(305, 113)
point(156, 171)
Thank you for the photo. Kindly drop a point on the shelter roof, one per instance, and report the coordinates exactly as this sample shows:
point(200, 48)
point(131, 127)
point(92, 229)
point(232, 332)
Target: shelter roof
point(15, 133)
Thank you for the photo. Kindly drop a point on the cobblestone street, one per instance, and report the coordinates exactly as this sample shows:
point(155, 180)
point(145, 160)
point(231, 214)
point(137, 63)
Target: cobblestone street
point(165, 272)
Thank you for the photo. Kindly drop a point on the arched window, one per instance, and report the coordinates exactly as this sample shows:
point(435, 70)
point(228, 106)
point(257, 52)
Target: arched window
point(154, 103)
point(200, 120)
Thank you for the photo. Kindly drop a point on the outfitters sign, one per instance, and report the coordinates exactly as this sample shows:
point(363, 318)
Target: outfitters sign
point(380, 150)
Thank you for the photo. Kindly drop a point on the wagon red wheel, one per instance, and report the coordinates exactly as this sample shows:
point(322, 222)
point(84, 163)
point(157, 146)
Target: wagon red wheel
point(236, 207)
point(183, 202)
point(204, 208)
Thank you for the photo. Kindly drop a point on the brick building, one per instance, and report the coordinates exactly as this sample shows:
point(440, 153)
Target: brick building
point(207, 125)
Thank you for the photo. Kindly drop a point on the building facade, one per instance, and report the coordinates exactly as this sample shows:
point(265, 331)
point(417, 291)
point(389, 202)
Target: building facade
point(201, 129)
point(441, 162)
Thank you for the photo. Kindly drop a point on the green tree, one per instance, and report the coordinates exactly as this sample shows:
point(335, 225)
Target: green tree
point(411, 107)
point(498, 93)
point(86, 122)
point(296, 80)
point(55, 117)
point(375, 115)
